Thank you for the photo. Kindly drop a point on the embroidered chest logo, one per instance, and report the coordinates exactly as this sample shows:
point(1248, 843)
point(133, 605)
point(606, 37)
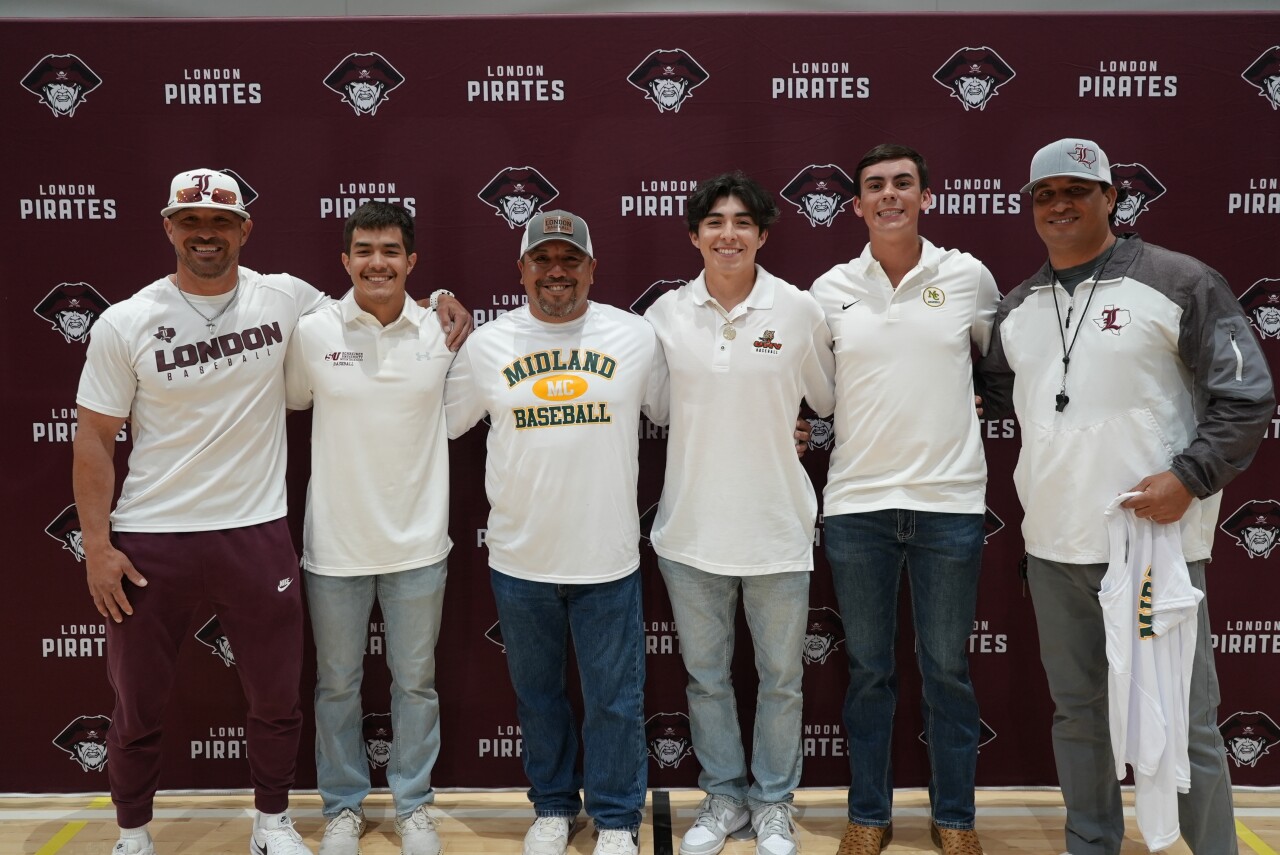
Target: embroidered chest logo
point(1113, 319)
point(766, 344)
point(344, 357)
point(933, 297)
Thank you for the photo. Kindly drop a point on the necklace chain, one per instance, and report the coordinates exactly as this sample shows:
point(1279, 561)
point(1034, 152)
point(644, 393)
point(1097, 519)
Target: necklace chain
point(728, 331)
point(210, 322)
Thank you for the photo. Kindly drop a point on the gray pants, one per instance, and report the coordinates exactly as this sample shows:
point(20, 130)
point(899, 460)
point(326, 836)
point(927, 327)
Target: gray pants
point(1073, 651)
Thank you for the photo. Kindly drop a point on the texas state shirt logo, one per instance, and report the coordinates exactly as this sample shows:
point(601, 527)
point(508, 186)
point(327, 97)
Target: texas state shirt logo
point(71, 308)
point(516, 193)
point(820, 192)
point(973, 76)
point(1248, 736)
point(1264, 75)
point(1112, 319)
point(1141, 189)
point(364, 81)
point(668, 78)
point(62, 81)
point(85, 740)
point(1261, 304)
point(1255, 526)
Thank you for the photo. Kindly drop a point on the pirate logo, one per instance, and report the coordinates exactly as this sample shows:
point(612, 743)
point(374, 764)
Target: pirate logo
point(1248, 736)
point(653, 292)
point(668, 78)
point(973, 75)
point(72, 307)
point(822, 433)
point(85, 739)
point(990, 525)
point(985, 734)
point(378, 738)
point(1255, 526)
point(820, 192)
point(364, 80)
point(1113, 319)
point(823, 635)
point(668, 738)
point(1140, 187)
point(62, 81)
point(1265, 75)
point(517, 193)
point(1261, 303)
point(494, 634)
point(65, 529)
point(212, 636)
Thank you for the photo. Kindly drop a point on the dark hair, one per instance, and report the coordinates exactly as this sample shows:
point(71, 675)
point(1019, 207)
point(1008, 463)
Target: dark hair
point(892, 151)
point(758, 200)
point(375, 216)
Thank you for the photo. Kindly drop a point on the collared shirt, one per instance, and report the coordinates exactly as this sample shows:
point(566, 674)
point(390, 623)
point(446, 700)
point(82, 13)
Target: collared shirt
point(378, 500)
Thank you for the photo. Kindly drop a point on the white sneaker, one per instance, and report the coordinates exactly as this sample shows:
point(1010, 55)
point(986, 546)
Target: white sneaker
point(718, 817)
point(549, 835)
point(775, 832)
point(418, 833)
point(342, 834)
point(618, 841)
point(279, 839)
point(132, 846)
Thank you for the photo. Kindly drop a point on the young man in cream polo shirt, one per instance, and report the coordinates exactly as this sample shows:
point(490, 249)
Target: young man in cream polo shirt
point(742, 348)
point(373, 366)
point(907, 487)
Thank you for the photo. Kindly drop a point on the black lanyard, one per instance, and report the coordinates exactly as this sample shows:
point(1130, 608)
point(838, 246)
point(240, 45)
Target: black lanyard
point(1061, 400)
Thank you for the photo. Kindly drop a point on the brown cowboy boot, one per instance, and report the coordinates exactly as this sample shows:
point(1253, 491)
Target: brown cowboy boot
point(864, 839)
point(955, 841)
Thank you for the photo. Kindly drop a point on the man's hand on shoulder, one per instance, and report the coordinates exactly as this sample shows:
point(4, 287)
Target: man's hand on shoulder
point(1164, 498)
point(455, 320)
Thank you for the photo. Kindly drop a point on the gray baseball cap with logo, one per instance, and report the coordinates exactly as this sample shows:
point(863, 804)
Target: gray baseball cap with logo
point(1070, 158)
point(556, 225)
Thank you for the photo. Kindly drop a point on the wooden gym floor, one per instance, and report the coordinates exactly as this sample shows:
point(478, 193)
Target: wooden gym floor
point(1011, 822)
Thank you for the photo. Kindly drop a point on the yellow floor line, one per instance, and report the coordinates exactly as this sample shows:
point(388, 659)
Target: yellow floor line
point(1255, 842)
point(71, 829)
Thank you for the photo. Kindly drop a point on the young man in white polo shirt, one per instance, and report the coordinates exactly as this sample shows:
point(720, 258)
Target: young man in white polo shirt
point(907, 487)
point(742, 349)
point(563, 380)
point(373, 366)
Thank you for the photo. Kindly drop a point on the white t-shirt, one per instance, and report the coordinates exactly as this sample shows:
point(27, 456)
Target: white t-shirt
point(1149, 611)
point(736, 499)
point(564, 401)
point(206, 411)
point(378, 500)
point(907, 434)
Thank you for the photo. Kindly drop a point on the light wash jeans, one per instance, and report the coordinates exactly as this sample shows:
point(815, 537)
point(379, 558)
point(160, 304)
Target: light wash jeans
point(777, 609)
point(340, 605)
point(1073, 650)
point(942, 554)
point(607, 627)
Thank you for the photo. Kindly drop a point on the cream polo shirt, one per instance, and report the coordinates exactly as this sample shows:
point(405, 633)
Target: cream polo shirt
point(907, 435)
point(378, 500)
point(736, 500)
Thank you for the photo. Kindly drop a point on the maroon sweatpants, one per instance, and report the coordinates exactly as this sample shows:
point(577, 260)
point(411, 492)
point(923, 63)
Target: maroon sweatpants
point(243, 573)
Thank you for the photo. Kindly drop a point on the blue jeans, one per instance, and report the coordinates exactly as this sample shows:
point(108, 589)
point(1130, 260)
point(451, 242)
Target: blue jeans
point(943, 556)
point(340, 605)
point(1073, 650)
point(605, 621)
point(777, 608)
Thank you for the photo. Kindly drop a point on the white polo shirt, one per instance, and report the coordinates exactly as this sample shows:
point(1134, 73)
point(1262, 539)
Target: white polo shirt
point(563, 401)
point(206, 410)
point(907, 434)
point(736, 500)
point(378, 500)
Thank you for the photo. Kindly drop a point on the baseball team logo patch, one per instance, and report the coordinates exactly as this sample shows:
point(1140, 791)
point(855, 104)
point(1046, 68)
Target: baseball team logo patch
point(62, 81)
point(1113, 319)
point(973, 76)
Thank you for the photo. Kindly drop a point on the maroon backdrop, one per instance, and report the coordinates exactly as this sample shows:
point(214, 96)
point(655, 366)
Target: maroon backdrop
point(470, 109)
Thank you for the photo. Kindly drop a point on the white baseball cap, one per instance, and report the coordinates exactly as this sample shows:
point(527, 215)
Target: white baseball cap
point(205, 188)
point(1070, 158)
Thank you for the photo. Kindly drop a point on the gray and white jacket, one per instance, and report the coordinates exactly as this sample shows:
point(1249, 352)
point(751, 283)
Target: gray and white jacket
point(1166, 375)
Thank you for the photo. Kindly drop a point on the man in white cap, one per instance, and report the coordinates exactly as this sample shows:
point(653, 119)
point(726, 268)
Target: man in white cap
point(1135, 372)
point(563, 380)
point(194, 361)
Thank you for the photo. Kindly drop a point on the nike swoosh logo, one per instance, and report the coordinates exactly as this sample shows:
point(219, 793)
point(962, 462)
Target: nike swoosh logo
point(261, 850)
point(847, 305)
point(284, 583)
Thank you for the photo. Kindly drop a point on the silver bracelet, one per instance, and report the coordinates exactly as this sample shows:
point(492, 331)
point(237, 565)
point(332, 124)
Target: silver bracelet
point(434, 300)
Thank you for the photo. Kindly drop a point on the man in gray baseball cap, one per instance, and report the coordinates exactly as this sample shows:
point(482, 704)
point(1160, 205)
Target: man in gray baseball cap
point(1136, 373)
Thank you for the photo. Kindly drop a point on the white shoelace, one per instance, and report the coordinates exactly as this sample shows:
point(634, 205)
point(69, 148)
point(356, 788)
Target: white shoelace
point(419, 820)
point(777, 820)
point(712, 811)
point(615, 841)
point(346, 824)
point(547, 828)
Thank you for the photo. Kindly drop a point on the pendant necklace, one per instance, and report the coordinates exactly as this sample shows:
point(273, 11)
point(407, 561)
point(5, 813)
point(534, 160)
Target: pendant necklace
point(729, 332)
point(210, 322)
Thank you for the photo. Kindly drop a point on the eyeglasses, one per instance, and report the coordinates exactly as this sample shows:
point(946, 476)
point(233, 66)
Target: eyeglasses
point(194, 194)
